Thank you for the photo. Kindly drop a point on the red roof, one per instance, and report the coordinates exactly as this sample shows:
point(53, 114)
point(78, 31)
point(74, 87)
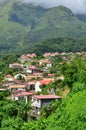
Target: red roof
point(24, 94)
point(9, 76)
point(37, 74)
point(32, 67)
point(46, 81)
point(19, 91)
point(47, 97)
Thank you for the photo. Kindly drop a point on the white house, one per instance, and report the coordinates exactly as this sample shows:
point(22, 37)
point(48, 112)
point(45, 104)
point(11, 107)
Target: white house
point(37, 87)
point(31, 69)
point(41, 83)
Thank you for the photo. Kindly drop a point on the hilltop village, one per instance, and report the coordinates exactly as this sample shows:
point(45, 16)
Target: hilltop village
point(37, 79)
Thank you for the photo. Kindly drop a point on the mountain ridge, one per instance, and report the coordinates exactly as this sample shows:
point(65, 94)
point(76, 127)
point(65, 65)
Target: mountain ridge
point(23, 24)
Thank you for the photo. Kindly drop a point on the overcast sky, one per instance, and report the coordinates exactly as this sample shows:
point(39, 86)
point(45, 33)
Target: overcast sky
point(77, 6)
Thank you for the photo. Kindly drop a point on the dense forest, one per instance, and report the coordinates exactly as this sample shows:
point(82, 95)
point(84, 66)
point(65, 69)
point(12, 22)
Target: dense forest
point(60, 45)
point(49, 45)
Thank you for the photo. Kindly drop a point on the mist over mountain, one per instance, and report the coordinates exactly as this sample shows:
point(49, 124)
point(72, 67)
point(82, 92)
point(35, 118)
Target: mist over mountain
point(81, 17)
point(77, 6)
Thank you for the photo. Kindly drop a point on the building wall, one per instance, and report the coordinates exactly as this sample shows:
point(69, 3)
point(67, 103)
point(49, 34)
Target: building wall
point(46, 102)
point(37, 87)
point(36, 103)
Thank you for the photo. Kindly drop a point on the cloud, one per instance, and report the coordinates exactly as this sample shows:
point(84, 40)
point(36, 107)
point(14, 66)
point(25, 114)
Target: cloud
point(3, 0)
point(77, 6)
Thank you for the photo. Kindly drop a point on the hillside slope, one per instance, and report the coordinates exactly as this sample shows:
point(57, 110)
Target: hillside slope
point(73, 116)
point(70, 115)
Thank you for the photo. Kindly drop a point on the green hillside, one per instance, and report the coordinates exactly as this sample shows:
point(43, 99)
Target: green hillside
point(73, 117)
point(11, 33)
point(60, 45)
point(70, 115)
point(57, 22)
point(23, 24)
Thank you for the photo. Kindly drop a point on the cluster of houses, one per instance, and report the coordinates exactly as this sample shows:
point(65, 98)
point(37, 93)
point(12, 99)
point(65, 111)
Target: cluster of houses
point(27, 84)
point(28, 91)
point(63, 53)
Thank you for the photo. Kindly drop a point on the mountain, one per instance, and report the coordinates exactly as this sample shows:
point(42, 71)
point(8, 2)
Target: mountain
point(81, 17)
point(23, 24)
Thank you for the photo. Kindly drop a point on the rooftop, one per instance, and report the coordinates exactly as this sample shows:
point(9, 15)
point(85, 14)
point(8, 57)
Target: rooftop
point(24, 94)
point(17, 86)
point(47, 97)
point(46, 81)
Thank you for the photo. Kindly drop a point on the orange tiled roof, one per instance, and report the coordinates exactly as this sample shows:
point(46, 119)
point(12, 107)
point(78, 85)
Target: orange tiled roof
point(46, 81)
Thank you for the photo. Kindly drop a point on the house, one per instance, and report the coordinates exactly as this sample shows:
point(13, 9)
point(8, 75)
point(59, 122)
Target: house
point(42, 83)
point(66, 58)
point(16, 87)
point(63, 53)
point(38, 74)
point(39, 101)
point(29, 77)
point(45, 62)
point(60, 77)
point(50, 75)
point(2, 89)
point(9, 78)
point(26, 58)
point(22, 94)
point(51, 54)
point(33, 55)
point(31, 86)
point(31, 69)
point(56, 53)
point(48, 54)
point(48, 64)
point(20, 77)
point(16, 65)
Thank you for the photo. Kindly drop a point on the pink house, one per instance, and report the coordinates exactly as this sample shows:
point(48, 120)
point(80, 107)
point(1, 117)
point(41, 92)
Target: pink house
point(15, 65)
point(31, 69)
